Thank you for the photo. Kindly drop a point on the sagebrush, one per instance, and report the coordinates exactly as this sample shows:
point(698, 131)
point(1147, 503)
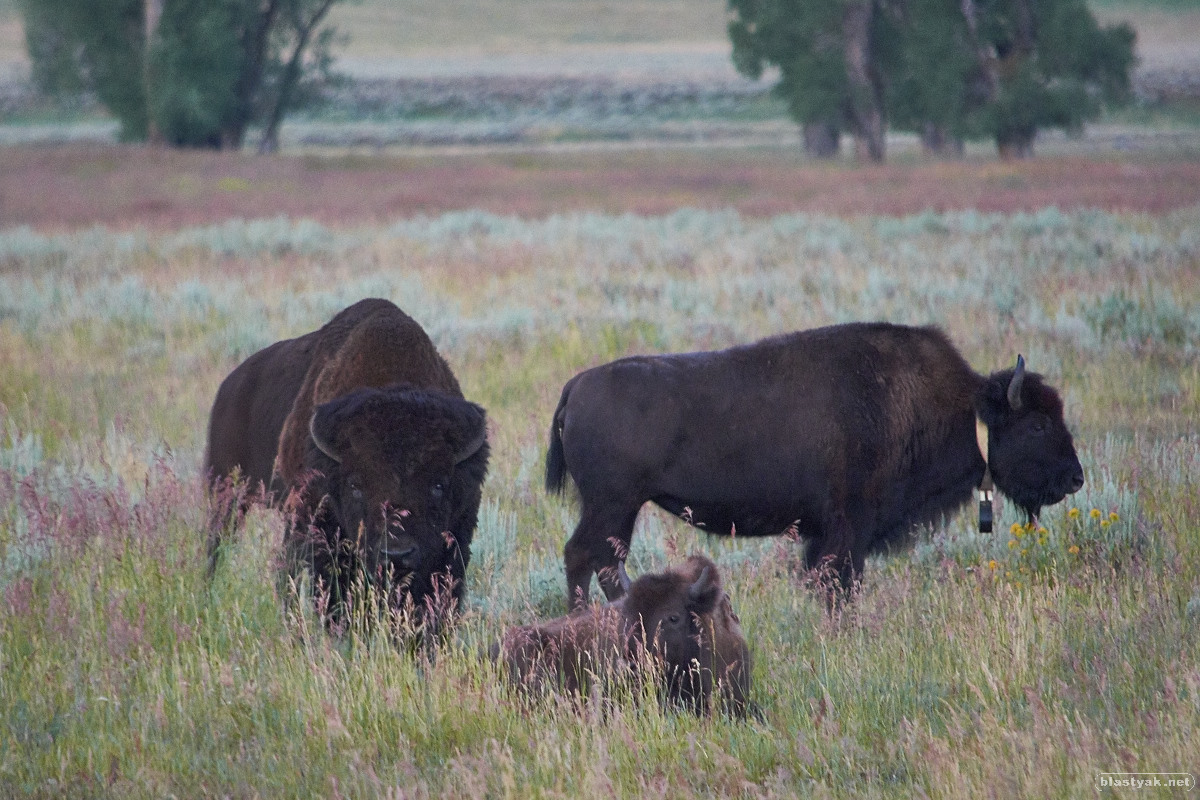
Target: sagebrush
point(1018, 664)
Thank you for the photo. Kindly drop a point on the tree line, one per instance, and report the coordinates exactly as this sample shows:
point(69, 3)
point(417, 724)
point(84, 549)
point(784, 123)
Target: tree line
point(949, 70)
point(200, 73)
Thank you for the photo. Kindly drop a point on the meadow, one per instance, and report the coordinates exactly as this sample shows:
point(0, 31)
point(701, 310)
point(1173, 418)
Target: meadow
point(1022, 663)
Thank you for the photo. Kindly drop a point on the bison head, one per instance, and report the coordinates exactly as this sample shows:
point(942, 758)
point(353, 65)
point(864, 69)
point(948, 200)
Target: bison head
point(1030, 450)
point(685, 620)
point(395, 466)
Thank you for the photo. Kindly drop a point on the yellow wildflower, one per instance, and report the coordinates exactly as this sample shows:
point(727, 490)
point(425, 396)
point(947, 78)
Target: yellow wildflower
point(992, 565)
point(1094, 513)
point(1073, 549)
point(1015, 529)
point(1113, 516)
point(1073, 513)
point(1012, 543)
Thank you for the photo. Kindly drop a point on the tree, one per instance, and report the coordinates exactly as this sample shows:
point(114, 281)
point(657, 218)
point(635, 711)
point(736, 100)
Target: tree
point(303, 20)
point(947, 69)
point(1045, 64)
point(192, 73)
point(931, 87)
point(829, 56)
point(72, 47)
point(864, 82)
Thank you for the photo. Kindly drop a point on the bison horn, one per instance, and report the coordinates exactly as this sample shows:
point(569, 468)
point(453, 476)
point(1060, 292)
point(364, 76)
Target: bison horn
point(322, 444)
point(623, 577)
point(1014, 386)
point(472, 447)
point(701, 592)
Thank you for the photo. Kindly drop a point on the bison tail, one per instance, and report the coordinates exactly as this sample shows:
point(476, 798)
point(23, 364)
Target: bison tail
point(556, 465)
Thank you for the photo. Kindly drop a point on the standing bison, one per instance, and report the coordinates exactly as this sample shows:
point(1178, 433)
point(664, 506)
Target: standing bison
point(679, 623)
point(850, 435)
point(360, 431)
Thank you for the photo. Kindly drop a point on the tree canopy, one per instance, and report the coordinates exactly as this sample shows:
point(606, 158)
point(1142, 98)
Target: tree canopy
point(947, 69)
point(192, 73)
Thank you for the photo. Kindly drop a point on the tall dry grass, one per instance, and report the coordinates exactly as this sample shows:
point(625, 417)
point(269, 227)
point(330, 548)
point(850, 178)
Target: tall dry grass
point(1021, 664)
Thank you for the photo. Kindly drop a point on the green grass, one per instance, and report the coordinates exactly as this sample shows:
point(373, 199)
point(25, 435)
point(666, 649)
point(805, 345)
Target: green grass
point(1140, 5)
point(1169, 115)
point(968, 667)
point(378, 27)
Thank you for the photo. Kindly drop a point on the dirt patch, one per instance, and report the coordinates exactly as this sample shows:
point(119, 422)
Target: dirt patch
point(122, 186)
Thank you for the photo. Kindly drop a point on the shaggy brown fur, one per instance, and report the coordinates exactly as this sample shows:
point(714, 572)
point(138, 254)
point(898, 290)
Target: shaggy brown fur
point(370, 344)
point(679, 622)
point(361, 431)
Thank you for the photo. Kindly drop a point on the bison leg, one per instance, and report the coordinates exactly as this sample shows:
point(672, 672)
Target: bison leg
point(599, 544)
point(835, 558)
point(229, 500)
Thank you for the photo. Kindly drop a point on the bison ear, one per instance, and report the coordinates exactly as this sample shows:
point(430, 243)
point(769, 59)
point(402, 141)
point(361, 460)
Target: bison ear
point(1014, 386)
point(471, 432)
point(704, 593)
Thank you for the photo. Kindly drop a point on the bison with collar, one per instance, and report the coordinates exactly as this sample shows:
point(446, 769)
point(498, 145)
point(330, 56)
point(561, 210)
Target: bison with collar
point(851, 436)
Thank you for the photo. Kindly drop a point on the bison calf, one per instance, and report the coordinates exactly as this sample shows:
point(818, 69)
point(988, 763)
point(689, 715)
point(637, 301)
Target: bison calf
point(679, 624)
point(851, 436)
point(361, 431)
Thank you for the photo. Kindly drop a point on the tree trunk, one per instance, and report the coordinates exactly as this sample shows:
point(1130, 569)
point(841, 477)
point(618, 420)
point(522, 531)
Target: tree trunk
point(255, 41)
point(153, 14)
point(821, 139)
point(1015, 145)
point(866, 88)
point(1026, 29)
point(291, 74)
point(989, 83)
point(937, 141)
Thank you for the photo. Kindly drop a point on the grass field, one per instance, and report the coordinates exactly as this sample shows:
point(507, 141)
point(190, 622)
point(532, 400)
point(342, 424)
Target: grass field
point(64, 187)
point(1021, 664)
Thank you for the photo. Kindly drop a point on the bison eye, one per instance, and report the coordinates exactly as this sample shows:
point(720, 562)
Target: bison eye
point(355, 488)
point(673, 619)
point(437, 491)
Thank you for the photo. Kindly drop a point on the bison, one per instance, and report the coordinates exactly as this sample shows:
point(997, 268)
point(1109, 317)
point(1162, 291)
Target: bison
point(361, 432)
point(850, 436)
point(679, 624)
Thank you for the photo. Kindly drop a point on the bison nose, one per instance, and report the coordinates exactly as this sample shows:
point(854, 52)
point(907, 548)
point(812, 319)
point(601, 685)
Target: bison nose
point(405, 556)
point(1076, 482)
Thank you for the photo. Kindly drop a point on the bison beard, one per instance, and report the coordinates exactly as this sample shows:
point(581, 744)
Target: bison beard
point(360, 431)
point(851, 436)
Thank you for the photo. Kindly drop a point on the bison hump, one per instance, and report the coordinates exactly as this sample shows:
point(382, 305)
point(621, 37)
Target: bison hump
point(371, 344)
